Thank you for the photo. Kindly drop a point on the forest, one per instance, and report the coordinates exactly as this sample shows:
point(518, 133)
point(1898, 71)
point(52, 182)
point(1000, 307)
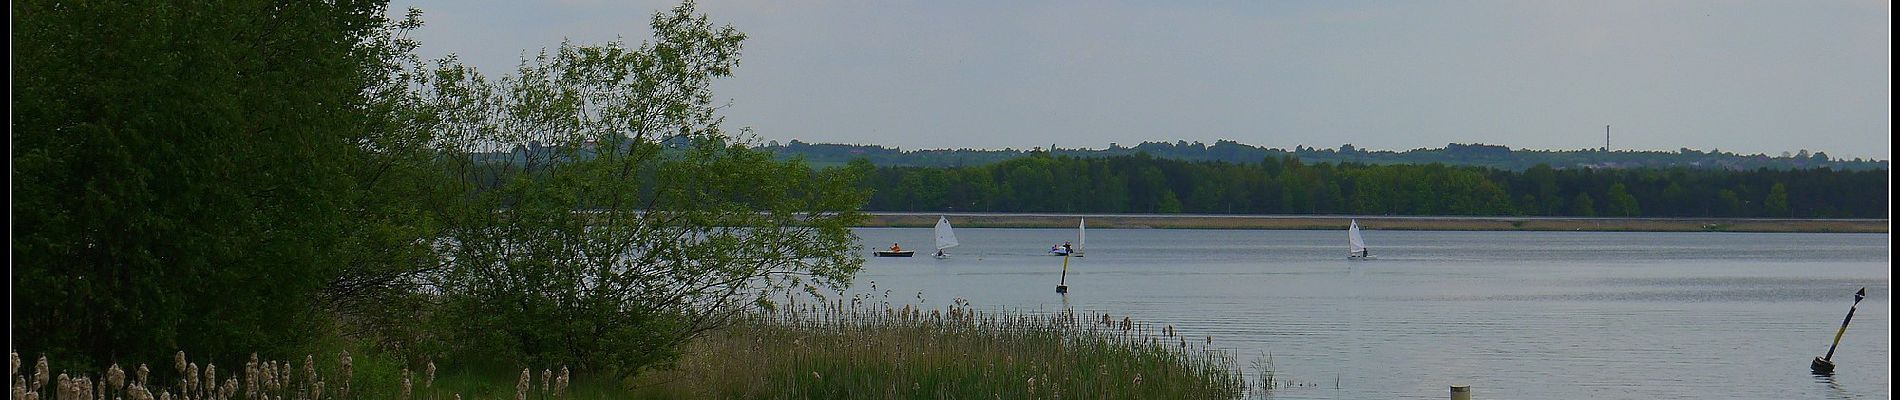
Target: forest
point(1473, 154)
point(1142, 183)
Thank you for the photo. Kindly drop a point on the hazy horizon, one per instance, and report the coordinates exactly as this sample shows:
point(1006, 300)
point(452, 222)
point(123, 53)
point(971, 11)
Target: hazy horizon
point(1741, 77)
point(1290, 148)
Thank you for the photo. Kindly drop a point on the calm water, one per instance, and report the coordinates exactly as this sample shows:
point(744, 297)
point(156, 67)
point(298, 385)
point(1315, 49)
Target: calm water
point(1516, 315)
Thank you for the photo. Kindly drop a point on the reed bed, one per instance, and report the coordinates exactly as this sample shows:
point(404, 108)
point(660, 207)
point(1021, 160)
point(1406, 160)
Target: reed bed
point(263, 380)
point(850, 349)
point(839, 349)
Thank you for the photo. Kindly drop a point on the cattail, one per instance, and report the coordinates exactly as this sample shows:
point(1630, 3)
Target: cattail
point(348, 365)
point(211, 378)
point(287, 371)
point(428, 379)
point(115, 377)
point(252, 372)
point(145, 372)
point(309, 369)
point(64, 387)
point(521, 386)
point(84, 387)
point(138, 392)
point(229, 389)
point(13, 363)
point(191, 377)
point(39, 375)
point(179, 361)
point(407, 386)
point(316, 391)
point(560, 383)
point(547, 380)
point(269, 370)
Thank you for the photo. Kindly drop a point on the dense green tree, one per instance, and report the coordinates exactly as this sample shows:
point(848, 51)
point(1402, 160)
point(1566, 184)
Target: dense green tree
point(1583, 206)
point(1287, 186)
point(190, 175)
point(1728, 203)
point(1621, 203)
point(1777, 201)
point(1676, 201)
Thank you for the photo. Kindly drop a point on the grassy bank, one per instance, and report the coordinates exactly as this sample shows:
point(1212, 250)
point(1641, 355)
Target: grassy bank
point(1338, 222)
point(844, 350)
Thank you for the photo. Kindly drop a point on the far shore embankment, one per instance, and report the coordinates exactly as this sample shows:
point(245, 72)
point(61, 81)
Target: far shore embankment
point(1420, 223)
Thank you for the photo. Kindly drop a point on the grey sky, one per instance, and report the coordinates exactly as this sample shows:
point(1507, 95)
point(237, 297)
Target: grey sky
point(1740, 76)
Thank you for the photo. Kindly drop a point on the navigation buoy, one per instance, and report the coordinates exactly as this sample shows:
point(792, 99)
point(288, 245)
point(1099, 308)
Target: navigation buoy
point(1063, 286)
point(1460, 392)
point(1825, 364)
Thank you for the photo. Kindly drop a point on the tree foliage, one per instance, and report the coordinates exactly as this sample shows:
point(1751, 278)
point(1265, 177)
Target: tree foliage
point(186, 175)
point(260, 176)
point(1143, 184)
point(1473, 155)
point(626, 220)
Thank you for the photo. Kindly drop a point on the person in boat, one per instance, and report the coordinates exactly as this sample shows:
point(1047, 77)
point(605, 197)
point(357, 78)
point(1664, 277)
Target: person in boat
point(1055, 249)
point(1066, 248)
point(895, 248)
point(940, 253)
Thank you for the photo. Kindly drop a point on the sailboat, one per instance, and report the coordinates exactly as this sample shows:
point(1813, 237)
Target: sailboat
point(945, 237)
point(1081, 236)
point(1073, 248)
point(1359, 250)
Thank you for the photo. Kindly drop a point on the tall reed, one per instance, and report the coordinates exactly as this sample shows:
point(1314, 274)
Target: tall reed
point(849, 349)
point(260, 379)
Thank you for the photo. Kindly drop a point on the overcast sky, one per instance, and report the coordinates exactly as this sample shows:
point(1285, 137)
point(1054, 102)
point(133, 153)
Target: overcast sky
point(1739, 76)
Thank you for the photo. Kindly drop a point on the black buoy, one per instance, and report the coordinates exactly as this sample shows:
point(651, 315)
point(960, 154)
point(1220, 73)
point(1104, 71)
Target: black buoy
point(1825, 364)
point(1063, 287)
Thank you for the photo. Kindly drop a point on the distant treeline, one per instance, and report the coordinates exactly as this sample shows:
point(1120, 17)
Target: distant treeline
point(1287, 185)
point(1478, 155)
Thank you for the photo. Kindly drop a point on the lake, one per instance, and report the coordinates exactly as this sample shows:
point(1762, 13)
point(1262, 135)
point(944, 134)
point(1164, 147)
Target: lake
point(1515, 315)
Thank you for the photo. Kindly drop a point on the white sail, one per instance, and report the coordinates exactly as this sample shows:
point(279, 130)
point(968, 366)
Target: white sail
point(1352, 237)
point(945, 238)
point(1081, 236)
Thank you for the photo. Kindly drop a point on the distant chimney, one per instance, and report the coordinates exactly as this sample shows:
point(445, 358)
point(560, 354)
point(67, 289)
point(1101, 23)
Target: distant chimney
point(1606, 138)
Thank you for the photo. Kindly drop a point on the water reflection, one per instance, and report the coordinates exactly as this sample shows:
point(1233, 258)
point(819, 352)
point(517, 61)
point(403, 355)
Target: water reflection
point(1834, 390)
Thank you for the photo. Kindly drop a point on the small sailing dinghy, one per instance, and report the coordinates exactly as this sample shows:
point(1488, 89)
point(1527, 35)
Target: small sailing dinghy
point(1358, 243)
point(1073, 248)
point(946, 238)
point(1081, 236)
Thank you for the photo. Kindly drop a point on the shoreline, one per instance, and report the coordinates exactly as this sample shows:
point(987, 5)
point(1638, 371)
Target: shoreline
point(1337, 222)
